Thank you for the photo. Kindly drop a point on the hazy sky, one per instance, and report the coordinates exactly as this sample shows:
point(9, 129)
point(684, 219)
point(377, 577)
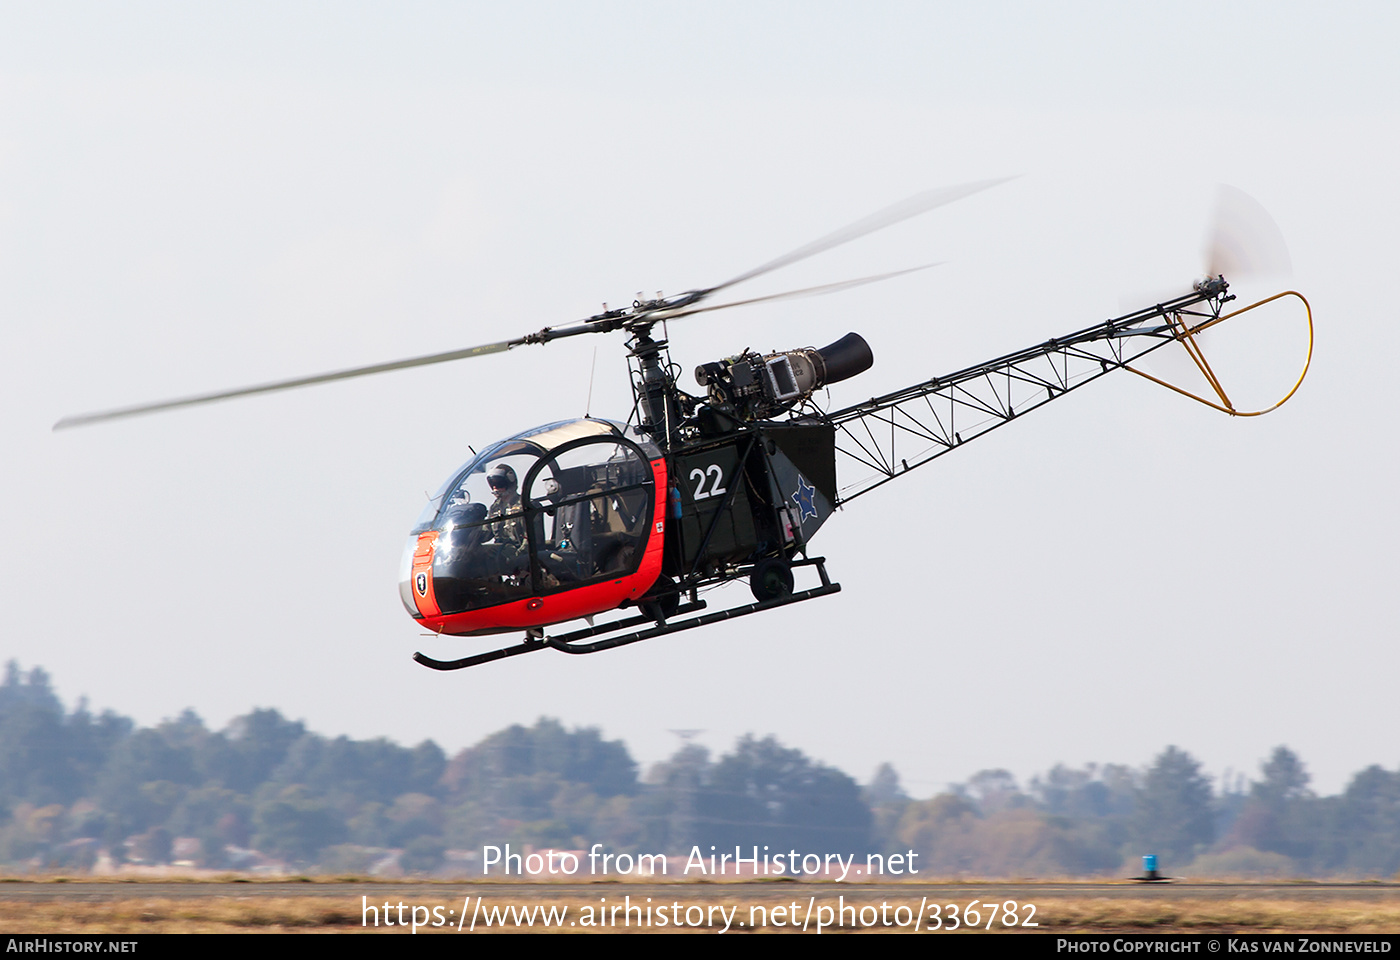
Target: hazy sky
point(203, 196)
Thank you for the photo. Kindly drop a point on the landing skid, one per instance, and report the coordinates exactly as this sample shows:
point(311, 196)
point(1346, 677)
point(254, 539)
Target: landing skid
point(569, 642)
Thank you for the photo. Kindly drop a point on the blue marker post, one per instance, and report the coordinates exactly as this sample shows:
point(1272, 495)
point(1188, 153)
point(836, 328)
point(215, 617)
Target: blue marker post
point(1149, 870)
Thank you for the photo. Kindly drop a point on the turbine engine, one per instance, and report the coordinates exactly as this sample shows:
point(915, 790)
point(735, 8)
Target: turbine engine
point(756, 386)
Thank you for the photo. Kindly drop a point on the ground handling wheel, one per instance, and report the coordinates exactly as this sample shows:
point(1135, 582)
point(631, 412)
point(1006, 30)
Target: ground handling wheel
point(771, 579)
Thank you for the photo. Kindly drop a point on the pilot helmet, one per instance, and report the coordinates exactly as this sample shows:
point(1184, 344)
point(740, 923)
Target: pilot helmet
point(501, 476)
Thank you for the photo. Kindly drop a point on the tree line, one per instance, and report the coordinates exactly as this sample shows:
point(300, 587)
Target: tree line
point(79, 791)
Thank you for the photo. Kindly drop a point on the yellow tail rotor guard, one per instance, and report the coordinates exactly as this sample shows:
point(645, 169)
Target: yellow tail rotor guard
point(1186, 336)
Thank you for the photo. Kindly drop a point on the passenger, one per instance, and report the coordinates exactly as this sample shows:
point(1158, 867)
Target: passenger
point(459, 544)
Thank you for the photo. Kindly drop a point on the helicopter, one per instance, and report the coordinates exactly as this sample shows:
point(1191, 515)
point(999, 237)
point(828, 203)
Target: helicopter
point(579, 518)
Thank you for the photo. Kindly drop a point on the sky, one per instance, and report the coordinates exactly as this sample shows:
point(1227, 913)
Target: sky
point(208, 196)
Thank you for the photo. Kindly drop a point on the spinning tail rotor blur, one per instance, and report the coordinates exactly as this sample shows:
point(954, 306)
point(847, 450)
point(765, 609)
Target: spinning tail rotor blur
point(1244, 243)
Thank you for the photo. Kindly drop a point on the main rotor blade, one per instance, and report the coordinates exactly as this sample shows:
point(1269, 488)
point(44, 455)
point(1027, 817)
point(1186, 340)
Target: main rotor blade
point(911, 207)
point(903, 210)
point(805, 292)
point(87, 418)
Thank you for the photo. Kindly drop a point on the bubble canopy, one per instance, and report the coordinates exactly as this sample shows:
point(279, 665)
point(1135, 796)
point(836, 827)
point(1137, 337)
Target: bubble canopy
point(562, 506)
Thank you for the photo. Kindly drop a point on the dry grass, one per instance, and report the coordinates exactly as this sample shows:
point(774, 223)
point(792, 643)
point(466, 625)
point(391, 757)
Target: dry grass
point(1097, 915)
point(134, 913)
point(222, 914)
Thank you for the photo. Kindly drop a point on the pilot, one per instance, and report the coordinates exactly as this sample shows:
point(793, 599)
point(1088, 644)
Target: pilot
point(503, 484)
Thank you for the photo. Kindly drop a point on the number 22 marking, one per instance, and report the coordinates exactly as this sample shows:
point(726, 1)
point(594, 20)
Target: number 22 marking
point(699, 475)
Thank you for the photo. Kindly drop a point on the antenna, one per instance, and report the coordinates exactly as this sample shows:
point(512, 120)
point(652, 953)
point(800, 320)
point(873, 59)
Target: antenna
point(588, 407)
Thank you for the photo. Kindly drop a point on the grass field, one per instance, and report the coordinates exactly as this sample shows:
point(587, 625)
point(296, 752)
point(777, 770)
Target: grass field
point(135, 908)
